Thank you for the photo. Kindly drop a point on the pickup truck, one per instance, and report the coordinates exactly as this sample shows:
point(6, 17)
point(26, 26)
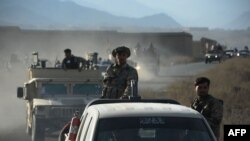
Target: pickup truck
point(142, 120)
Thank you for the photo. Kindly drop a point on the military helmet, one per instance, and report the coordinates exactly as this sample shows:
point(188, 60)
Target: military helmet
point(121, 49)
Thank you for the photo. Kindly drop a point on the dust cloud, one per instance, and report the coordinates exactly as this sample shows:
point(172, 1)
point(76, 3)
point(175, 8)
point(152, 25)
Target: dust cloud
point(12, 109)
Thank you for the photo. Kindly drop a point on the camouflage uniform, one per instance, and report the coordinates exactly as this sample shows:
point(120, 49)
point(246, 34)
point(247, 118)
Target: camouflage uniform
point(117, 81)
point(212, 109)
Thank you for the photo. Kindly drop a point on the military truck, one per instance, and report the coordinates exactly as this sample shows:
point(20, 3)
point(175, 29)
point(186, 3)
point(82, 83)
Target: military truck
point(53, 95)
point(148, 60)
point(213, 56)
point(216, 53)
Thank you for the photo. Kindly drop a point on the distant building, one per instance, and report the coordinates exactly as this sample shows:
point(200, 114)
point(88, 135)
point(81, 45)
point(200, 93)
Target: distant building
point(171, 43)
point(168, 43)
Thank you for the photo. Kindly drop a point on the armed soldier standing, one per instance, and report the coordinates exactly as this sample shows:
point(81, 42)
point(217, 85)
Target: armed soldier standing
point(118, 76)
point(210, 107)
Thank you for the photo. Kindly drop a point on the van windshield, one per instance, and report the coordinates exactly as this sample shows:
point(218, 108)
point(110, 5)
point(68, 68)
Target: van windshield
point(152, 129)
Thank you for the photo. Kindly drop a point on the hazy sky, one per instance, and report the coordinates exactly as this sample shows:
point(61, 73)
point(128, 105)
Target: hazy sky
point(187, 12)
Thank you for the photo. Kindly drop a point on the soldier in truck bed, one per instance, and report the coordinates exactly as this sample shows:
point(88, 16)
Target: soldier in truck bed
point(72, 62)
point(118, 76)
point(210, 107)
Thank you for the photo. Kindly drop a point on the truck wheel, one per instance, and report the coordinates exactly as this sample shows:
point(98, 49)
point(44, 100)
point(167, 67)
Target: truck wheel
point(38, 132)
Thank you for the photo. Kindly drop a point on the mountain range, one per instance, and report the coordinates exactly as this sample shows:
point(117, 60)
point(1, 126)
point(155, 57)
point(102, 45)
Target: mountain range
point(243, 21)
point(66, 14)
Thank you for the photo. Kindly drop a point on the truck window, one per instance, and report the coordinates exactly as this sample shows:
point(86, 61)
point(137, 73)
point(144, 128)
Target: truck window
point(153, 129)
point(54, 89)
point(86, 89)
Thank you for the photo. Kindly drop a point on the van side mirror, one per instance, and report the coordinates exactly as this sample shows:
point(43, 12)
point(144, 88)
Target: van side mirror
point(20, 92)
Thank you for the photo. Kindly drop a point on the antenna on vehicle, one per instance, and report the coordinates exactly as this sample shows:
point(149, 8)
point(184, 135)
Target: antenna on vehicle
point(38, 62)
point(35, 59)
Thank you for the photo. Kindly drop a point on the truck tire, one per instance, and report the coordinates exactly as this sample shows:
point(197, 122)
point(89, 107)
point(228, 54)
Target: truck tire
point(38, 131)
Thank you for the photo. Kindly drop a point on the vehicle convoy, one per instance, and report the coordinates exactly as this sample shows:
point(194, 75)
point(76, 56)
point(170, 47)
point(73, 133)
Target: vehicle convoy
point(53, 95)
point(143, 120)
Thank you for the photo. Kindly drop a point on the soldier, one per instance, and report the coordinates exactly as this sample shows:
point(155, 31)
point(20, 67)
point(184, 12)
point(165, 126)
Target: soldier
point(118, 76)
point(72, 62)
point(210, 107)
